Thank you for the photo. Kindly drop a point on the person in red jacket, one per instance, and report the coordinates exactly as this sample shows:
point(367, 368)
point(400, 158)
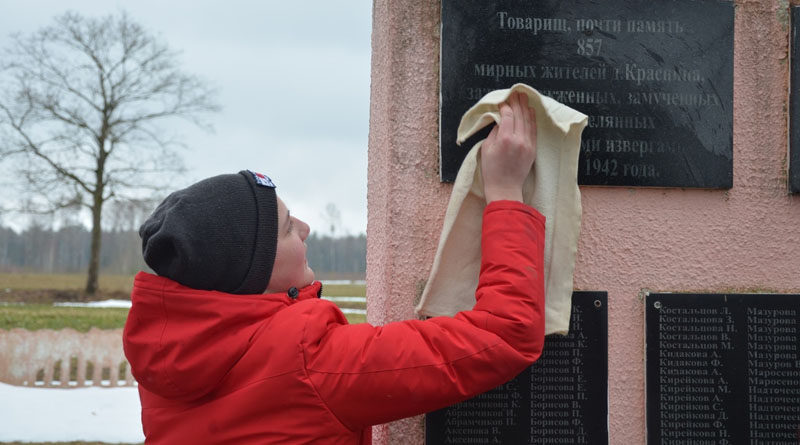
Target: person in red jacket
point(230, 342)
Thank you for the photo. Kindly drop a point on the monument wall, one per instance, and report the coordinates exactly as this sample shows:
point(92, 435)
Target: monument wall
point(634, 240)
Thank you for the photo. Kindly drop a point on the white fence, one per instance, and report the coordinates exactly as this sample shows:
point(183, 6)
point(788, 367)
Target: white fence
point(65, 358)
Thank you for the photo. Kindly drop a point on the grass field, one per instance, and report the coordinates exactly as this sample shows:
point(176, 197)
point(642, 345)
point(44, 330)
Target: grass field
point(41, 316)
point(344, 290)
point(26, 301)
point(28, 281)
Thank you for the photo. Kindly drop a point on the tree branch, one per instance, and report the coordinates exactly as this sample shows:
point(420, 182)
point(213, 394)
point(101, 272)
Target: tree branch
point(35, 149)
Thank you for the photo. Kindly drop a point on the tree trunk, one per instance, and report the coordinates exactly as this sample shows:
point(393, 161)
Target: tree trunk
point(97, 207)
point(94, 252)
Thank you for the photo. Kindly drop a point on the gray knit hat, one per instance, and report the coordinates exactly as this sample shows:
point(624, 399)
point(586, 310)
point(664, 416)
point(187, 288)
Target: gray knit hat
point(218, 234)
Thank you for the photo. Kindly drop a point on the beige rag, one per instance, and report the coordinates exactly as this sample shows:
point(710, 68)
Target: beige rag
point(551, 188)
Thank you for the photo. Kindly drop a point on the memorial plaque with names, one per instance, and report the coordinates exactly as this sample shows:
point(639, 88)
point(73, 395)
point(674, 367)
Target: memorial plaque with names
point(561, 398)
point(794, 120)
point(654, 77)
point(723, 369)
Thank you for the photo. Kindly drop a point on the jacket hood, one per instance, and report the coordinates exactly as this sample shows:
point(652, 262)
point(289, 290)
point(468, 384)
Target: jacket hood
point(181, 342)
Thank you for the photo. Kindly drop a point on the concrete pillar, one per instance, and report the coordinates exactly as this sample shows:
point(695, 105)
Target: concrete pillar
point(405, 200)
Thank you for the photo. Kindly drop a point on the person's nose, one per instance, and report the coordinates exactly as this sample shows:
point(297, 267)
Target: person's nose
point(304, 229)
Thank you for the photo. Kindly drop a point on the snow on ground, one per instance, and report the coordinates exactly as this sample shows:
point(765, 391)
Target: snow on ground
point(102, 304)
point(362, 282)
point(63, 415)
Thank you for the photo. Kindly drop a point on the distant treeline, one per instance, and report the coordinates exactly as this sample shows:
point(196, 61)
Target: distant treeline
point(66, 250)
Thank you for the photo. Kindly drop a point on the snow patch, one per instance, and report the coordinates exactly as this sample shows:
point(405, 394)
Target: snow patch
point(125, 304)
point(66, 415)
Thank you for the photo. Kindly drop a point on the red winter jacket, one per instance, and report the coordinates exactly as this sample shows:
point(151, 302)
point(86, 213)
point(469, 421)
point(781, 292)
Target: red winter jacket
point(222, 368)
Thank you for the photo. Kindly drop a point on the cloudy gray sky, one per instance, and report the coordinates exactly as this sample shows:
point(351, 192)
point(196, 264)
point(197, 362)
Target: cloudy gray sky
point(293, 78)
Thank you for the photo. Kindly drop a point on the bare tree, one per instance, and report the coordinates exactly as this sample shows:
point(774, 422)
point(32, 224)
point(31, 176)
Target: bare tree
point(130, 214)
point(83, 109)
point(332, 217)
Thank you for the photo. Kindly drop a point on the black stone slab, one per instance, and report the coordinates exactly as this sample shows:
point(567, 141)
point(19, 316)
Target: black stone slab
point(563, 397)
point(794, 120)
point(655, 77)
point(723, 369)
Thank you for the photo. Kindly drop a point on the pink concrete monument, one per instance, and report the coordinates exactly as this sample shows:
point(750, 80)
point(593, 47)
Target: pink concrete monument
point(744, 239)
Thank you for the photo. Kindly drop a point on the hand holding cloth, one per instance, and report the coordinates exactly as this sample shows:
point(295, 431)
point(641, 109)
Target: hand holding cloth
point(551, 187)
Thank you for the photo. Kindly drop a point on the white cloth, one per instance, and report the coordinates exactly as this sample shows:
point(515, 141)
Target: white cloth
point(551, 188)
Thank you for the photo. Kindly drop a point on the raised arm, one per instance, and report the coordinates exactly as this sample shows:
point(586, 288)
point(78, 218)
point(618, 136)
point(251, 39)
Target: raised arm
point(369, 375)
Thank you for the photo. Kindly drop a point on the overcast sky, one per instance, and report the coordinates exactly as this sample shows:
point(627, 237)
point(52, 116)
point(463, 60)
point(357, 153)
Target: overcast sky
point(293, 78)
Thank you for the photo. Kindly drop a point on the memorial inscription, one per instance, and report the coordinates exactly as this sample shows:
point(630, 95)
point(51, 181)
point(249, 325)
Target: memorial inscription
point(723, 369)
point(655, 79)
point(562, 398)
point(794, 125)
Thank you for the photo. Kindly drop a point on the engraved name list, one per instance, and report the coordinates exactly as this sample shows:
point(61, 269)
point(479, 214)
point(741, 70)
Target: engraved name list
point(723, 369)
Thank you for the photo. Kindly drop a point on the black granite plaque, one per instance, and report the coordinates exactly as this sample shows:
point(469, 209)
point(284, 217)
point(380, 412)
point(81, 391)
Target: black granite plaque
point(723, 369)
point(794, 125)
point(655, 78)
point(562, 398)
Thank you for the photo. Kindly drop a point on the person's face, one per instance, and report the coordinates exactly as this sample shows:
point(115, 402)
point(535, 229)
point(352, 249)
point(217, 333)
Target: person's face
point(291, 267)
